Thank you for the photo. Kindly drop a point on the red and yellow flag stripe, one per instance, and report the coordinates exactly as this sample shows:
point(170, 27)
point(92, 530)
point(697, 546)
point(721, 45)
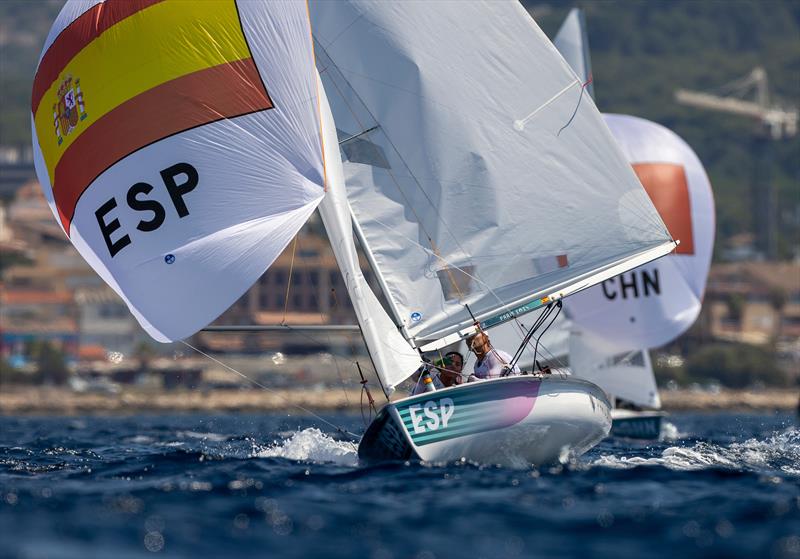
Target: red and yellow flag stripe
point(147, 69)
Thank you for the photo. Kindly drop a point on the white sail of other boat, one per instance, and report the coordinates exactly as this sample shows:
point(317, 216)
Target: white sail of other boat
point(482, 180)
point(651, 305)
point(627, 375)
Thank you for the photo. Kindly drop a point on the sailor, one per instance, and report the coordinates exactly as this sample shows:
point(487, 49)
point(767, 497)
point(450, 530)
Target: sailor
point(448, 373)
point(491, 362)
point(450, 370)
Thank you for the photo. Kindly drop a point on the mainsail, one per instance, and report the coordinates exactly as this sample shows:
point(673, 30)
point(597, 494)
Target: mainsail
point(178, 145)
point(481, 177)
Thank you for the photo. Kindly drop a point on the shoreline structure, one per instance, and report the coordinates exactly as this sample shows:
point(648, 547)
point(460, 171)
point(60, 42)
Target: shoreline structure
point(27, 400)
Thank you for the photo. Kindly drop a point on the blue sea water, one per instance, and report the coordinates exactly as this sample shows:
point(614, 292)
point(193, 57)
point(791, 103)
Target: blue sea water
point(723, 485)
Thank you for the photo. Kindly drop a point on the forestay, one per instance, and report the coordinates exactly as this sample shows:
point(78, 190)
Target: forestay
point(178, 144)
point(480, 174)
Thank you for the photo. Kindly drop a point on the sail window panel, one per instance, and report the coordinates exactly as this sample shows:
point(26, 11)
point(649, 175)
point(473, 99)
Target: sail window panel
point(351, 115)
point(456, 283)
point(629, 359)
point(362, 150)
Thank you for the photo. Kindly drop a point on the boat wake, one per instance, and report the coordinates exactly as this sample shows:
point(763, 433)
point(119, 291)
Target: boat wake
point(779, 452)
point(311, 445)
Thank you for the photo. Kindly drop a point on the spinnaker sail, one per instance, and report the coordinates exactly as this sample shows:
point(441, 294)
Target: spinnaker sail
point(178, 145)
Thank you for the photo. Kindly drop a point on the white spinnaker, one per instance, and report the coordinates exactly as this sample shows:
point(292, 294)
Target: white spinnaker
point(478, 170)
point(652, 305)
point(393, 357)
point(627, 375)
point(260, 176)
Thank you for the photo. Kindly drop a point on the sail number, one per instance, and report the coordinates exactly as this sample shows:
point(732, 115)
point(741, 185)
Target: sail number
point(178, 179)
point(638, 283)
point(431, 415)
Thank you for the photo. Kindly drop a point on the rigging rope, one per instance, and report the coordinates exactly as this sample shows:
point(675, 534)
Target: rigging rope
point(289, 282)
point(276, 393)
point(536, 350)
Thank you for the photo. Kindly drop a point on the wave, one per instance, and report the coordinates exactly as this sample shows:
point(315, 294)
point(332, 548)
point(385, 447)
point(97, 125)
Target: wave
point(312, 445)
point(778, 452)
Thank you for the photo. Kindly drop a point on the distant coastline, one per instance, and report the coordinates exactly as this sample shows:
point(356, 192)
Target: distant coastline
point(28, 400)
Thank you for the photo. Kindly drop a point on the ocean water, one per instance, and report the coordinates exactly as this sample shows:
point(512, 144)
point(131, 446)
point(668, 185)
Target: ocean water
point(721, 485)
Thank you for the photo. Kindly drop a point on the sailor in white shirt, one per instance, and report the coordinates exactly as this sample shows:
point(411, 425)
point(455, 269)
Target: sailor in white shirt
point(490, 361)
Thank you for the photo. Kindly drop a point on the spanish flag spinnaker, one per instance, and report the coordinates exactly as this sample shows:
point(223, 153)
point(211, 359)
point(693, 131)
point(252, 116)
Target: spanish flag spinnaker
point(178, 144)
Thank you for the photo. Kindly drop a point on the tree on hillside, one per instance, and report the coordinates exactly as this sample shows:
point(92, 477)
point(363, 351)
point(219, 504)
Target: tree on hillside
point(735, 366)
point(51, 363)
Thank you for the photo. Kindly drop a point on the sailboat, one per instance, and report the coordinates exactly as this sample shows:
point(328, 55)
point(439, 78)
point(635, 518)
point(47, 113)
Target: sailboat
point(613, 324)
point(182, 145)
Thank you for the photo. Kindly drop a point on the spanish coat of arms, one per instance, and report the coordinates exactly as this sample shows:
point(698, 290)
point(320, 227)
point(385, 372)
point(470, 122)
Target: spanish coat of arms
point(69, 109)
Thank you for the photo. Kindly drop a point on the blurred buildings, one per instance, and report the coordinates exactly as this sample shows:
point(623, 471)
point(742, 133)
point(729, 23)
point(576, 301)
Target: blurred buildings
point(48, 293)
point(756, 303)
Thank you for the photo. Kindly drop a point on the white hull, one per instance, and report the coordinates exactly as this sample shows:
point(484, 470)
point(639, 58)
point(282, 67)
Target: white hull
point(630, 424)
point(514, 421)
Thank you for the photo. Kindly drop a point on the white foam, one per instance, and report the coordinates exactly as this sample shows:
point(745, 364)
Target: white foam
point(140, 439)
point(780, 451)
point(669, 432)
point(312, 445)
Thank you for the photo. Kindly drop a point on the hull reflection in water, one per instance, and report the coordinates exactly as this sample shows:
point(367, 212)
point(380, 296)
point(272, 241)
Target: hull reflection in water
point(513, 421)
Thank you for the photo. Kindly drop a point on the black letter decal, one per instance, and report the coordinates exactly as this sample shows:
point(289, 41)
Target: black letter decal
point(146, 205)
point(630, 285)
point(613, 294)
point(107, 228)
point(651, 281)
point(176, 191)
